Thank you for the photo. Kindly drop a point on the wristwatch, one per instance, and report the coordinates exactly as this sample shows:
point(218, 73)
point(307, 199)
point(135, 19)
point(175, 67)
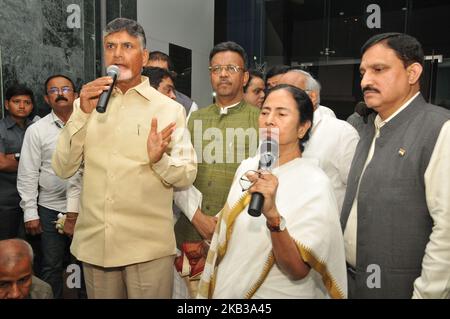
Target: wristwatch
point(279, 226)
point(17, 156)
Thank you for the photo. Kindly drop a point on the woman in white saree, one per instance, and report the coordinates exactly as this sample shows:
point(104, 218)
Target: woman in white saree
point(295, 248)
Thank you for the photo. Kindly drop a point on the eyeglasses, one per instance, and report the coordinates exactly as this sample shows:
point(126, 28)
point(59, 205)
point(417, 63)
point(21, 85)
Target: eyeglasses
point(230, 68)
point(245, 182)
point(63, 90)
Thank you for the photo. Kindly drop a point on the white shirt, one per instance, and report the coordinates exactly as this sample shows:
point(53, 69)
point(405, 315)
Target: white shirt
point(326, 111)
point(36, 180)
point(194, 107)
point(332, 143)
point(434, 281)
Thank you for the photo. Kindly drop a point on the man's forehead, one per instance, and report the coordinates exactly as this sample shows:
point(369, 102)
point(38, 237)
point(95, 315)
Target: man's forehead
point(59, 82)
point(293, 78)
point(21, 97)
point(226, 57)
point(378, 54)
point(120, 37)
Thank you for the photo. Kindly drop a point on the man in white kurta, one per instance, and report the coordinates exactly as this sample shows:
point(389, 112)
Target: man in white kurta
point(332, 142)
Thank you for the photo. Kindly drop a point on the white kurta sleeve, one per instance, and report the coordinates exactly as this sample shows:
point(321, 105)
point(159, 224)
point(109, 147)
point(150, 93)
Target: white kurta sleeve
point(434, 281)
point(188, 199)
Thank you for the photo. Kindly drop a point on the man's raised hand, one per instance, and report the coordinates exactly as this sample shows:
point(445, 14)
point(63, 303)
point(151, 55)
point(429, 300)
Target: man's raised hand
point(157, 142)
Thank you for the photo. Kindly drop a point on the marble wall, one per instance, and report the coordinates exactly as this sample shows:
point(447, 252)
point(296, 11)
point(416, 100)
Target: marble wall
point(39, 38)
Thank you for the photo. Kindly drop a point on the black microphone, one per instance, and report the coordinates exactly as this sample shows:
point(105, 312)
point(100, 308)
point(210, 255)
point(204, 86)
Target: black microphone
point(268, 157)
point(362, 109)
point(114, 72)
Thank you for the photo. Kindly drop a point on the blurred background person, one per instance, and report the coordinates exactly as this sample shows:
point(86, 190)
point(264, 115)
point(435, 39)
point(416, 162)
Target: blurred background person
point(19, 101)
point(255, 89)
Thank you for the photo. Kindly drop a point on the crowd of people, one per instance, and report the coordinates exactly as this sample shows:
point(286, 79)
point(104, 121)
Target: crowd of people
point(150, 198)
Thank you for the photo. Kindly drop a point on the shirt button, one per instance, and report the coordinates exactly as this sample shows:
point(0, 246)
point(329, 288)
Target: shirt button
point(209, 183)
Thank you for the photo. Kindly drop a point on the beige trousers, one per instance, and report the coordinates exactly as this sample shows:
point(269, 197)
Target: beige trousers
point(149, 280)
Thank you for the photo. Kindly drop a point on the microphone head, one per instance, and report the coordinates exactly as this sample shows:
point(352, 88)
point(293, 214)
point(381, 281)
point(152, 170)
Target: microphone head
point(361, 108)
point(269, 153)
point(113, 71)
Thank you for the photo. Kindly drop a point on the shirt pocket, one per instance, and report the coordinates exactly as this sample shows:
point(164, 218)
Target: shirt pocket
point(134, 141)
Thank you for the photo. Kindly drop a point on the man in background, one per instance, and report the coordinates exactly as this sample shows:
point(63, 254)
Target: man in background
point(16, 272)
point(43, 193)
point(19, 105)
point(332, 142)
point(162, 60)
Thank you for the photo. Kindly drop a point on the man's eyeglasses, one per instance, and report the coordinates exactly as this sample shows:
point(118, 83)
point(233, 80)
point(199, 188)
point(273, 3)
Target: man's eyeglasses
point(230, 68)
point(63, 90)
point(245, 182)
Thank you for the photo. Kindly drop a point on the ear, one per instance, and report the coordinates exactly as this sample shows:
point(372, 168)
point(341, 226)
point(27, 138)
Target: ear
point(414, 72)
point(303, 129)
point(46, 99)
point(313, 96)
point(7, 105)
point(246, 77)
point(75, 94)
point(145, 57)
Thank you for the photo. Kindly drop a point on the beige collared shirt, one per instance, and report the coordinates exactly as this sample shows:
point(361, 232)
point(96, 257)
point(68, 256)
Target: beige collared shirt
point(126, 203)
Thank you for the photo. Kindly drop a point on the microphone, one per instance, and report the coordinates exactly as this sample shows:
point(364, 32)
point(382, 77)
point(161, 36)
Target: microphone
point(114, 72)
point(362, 109)
point(268, 157)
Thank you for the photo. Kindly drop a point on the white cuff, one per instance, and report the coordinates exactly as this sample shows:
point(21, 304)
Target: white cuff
point(73, 205)
point(29, 215)
point(188, 200)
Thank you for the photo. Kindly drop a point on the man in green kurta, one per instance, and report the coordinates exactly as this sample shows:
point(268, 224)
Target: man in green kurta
point(223, 134)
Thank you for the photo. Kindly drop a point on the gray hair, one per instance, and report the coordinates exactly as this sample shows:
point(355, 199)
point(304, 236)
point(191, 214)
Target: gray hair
point(311, 83)
point(130, 26)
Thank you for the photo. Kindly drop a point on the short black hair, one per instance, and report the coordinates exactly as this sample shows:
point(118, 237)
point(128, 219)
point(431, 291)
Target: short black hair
point(19, 89)
point(277, 70)
point(160, 56)
point(229, 46)
point(59, 76)
point(407, 48)
point(304, 107)
point(156, 75)
point(130, 26)
point(253, 74)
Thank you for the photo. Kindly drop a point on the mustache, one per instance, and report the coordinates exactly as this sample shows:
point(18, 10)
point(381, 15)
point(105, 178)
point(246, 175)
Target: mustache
point(61, 98)
point(371, 89)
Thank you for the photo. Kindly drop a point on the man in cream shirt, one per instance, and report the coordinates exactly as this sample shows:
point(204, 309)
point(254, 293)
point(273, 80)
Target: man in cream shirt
point(124, 233)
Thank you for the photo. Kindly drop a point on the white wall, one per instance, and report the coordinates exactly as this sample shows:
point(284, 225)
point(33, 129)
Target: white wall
point(187, 23)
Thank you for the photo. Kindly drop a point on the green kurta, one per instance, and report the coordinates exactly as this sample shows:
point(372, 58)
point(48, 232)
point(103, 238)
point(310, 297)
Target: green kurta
point(219, 152)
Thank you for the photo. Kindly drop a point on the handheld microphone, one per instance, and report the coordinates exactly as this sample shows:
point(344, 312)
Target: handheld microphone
point(268, 157)
point(114, 72)
point(362, 109)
